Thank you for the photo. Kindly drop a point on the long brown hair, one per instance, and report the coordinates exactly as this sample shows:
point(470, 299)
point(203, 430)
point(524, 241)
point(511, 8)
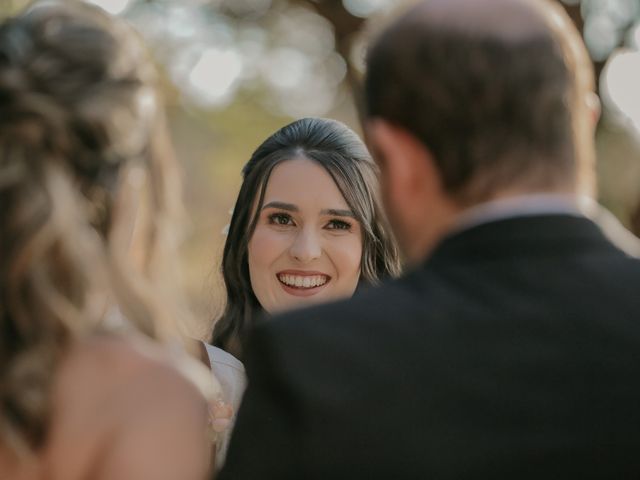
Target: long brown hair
point(82, 147)
point(344, 156)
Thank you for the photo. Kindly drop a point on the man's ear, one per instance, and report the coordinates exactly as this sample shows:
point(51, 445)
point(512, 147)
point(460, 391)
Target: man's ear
point(418, 207)
point(594, 107)
point(407, 165)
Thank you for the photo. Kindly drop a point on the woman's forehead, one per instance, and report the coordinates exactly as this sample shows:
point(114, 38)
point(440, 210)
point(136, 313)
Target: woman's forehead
point(305, 182)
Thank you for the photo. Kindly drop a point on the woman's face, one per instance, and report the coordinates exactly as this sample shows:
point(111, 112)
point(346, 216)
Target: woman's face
point(307, 244)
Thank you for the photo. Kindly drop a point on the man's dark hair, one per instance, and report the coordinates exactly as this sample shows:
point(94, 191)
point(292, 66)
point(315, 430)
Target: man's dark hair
point(494, 109)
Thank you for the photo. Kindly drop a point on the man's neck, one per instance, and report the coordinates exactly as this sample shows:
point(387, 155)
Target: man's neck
point(455, 220)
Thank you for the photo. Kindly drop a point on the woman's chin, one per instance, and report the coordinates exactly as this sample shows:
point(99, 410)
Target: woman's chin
point(297, 303)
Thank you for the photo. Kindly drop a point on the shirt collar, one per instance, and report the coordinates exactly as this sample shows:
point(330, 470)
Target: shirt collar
point(520, 206)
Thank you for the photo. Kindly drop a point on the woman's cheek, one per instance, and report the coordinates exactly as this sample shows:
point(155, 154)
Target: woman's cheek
point(347, 257)
point(265, 246)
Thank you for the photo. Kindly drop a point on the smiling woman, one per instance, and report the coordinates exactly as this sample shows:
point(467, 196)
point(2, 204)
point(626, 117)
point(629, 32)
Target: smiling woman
point(307, 243)
point(308, 207)
point(307, 227)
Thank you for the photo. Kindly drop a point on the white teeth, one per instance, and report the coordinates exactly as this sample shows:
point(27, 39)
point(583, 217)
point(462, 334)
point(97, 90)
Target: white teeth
point(303, 282)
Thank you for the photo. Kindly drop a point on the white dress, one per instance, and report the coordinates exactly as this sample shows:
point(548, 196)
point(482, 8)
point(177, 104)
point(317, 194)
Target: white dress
point(229, 371)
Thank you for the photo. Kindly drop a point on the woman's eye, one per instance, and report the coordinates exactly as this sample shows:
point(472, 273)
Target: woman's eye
point(280, 219)
point(338, 225)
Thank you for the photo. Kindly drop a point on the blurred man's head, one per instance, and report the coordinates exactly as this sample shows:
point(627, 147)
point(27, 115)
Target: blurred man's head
point(474, 100)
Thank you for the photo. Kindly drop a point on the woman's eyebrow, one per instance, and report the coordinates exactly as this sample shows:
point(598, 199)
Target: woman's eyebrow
point(290, 207)
point(338, 212)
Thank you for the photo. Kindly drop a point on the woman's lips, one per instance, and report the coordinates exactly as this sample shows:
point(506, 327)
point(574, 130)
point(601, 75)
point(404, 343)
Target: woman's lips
point(302, 283)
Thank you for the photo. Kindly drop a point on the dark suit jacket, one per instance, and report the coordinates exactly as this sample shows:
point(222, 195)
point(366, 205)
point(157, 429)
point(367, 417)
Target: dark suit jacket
point(513, 352)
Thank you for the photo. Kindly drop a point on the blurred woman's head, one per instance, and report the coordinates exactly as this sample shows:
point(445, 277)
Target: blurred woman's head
point(307, 226)
point(82, 154)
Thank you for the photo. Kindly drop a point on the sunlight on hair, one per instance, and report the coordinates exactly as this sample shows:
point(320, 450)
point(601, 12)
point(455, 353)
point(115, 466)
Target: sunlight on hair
point(620, 81)
point(114, 7)
point(214, 77)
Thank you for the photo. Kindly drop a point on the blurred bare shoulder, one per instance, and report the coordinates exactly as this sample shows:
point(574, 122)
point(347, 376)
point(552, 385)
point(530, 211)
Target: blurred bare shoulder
point(122, 408)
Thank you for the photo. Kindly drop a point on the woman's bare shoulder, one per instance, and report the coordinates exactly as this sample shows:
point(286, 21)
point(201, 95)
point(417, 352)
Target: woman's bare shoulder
point(107, 369)
point(113, 391)
point(101, 366)
point(115, 355)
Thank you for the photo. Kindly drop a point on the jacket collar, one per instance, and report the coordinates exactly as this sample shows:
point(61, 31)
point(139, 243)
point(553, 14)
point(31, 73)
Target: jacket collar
point(526, 235)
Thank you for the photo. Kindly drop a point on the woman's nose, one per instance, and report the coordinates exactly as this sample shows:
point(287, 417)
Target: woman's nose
point(306, 246)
